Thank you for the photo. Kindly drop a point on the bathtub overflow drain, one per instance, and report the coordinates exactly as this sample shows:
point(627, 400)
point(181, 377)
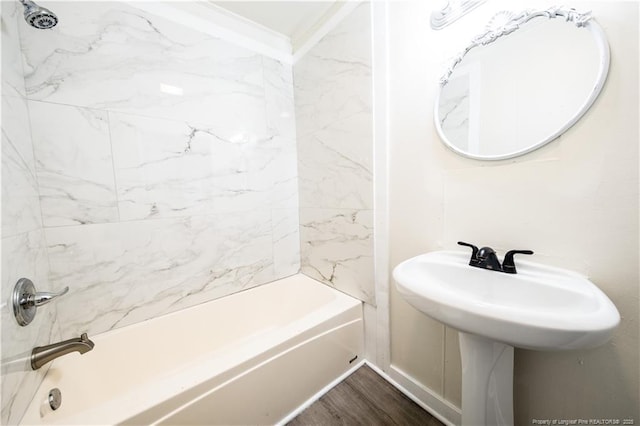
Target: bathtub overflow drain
point(55, 398)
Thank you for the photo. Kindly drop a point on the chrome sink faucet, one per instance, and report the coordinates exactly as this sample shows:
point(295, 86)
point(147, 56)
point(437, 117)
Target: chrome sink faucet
point(487, 258)
point(44, 354)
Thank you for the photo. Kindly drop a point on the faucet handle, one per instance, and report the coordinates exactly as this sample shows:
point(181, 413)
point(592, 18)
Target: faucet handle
point(474, 253)
point(43, 297)
point(508, 265)
point(26, 299)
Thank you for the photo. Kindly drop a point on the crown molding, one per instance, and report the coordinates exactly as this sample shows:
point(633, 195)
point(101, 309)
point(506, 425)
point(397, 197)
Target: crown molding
point(328, 22)
point(218, 22)
point(223, 24)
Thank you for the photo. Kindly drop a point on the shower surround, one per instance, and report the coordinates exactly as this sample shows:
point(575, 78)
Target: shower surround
point(334, 121)
point(156, 169)
point(167, 175)
point(151, 167)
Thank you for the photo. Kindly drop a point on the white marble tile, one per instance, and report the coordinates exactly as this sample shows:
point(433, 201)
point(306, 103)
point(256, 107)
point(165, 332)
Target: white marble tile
point(73, 164)
point(334, 128)
point(336, 247)
point(23, 256)
point(278, 87)
point(335, 165)
point(12, 75)
point(128, 272)
point(334, 121)
point(280, 110)
point(286, 242)
point(172, 168)
point(193, 134)
point(20, 203)
point(282, 173)
point(333, 80)
point(109, 55)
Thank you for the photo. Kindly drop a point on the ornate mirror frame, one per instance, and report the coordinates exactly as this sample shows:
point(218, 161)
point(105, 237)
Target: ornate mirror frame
point(504, 23)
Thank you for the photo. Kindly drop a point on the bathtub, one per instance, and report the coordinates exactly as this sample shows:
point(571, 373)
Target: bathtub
point(249, 358)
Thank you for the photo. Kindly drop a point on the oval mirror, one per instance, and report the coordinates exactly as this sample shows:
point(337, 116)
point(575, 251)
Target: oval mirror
point(510, 92)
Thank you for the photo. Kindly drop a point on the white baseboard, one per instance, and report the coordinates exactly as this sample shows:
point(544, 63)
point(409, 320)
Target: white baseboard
point(442, 410)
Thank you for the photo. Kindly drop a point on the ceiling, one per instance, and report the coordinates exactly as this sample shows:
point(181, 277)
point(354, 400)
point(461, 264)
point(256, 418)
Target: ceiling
point(293, 19)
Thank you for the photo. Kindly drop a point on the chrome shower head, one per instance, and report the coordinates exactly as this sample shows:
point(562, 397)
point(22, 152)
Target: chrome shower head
point(38, 16)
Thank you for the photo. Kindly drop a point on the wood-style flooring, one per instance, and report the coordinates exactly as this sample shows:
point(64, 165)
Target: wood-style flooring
point(364, 398)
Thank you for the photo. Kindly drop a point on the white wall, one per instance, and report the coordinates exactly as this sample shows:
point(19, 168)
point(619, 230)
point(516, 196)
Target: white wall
point(574, 202)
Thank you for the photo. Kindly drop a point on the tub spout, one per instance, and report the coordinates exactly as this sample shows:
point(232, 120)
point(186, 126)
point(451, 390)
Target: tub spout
point(44, 354)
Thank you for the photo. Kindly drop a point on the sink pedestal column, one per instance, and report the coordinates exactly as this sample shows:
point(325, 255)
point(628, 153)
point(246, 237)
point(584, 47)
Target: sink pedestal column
point(487, 381)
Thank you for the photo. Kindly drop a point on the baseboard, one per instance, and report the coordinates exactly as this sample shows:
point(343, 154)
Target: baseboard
point(431, 402)
point(318, 395)
point(441, 409)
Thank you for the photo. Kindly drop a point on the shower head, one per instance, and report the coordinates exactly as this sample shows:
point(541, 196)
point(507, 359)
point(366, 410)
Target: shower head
point(38, 16)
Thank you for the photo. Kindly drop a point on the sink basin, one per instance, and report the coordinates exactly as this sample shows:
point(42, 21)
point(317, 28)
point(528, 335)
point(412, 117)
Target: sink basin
point(540, 307)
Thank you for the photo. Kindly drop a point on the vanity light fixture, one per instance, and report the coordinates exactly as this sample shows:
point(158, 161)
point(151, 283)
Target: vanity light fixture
point(452, 11)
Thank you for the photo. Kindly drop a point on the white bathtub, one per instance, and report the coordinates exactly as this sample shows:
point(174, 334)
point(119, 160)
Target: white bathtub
point(249, 358)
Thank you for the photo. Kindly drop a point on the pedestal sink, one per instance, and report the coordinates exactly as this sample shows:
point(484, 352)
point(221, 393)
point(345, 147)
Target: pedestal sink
point(540, 308)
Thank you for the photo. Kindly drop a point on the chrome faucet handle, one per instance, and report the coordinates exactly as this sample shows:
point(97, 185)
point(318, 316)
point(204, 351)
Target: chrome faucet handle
point(43, 297)
point(26, 300)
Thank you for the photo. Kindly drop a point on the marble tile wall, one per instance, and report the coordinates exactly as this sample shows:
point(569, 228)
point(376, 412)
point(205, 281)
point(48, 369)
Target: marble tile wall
point(147, 166)
point(23, 244)
point(334, 121)
point(150, 167)
point(166, 160)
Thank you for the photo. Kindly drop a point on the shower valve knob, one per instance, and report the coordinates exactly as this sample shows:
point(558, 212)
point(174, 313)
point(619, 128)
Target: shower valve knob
point(44, 297)
point(26, 300)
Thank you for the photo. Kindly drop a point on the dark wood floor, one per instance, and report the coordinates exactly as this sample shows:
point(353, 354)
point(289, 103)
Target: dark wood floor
point(364, 398)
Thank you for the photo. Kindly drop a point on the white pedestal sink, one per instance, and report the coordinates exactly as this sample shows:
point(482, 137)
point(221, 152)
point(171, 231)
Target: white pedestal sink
point(540, 308)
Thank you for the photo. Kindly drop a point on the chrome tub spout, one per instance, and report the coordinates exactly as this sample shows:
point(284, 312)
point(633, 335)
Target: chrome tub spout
point(44, 354)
